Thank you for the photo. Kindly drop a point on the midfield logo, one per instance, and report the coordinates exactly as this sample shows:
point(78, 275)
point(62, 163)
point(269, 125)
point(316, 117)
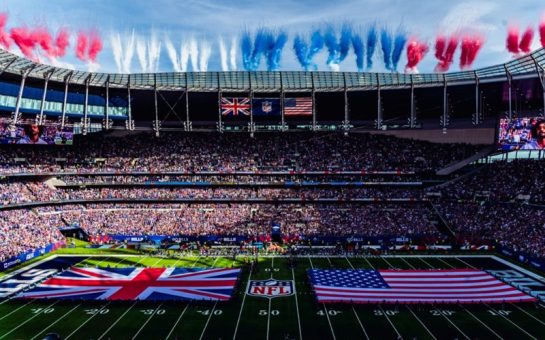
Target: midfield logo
point(270, 288)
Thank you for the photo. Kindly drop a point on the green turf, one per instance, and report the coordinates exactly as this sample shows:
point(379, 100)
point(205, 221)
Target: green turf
point(247, 317)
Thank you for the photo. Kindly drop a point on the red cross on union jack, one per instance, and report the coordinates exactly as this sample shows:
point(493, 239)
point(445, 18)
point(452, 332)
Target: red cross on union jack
point(235, 106)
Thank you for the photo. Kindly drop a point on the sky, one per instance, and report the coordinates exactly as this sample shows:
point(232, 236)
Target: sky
point(168, 23)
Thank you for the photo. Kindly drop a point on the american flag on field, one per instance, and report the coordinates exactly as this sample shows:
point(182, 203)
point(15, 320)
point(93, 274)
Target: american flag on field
point(298, 106)
point(412, 286)
point(235, 106)
point(138, 284)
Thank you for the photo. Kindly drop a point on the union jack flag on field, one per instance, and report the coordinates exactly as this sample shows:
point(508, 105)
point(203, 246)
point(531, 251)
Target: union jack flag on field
point(138, 284)
point(412, 286)
point(235, 106)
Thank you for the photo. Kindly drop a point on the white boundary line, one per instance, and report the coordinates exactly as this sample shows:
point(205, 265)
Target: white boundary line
point(15, 310)
point(116, 321)
point(86, 321)
point(530, 315)
point(27, 320)
point(482, 323)
point(56, 321)
point(325, 308)
point(242, 305)
point(176, 323)
point(296, 304)
point(270, 303)
point(422, 323)
point(511, 322)
point(208, 321)
point(354, 310)
point(148, 320)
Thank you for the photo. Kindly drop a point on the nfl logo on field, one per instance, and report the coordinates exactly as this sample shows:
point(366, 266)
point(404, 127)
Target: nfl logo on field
point(270, 288)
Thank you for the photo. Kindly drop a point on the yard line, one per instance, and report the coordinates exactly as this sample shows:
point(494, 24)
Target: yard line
point(382, 310)
point(296, 304)
point(54, 323)
point(194, 263)
point(418, 319)
point(13, 311)
point(323, 304)
point(270, 302)
point(86, 321)
point(208, 321)
point(177, 321)
point(427, 264)
point(511, 322)
point(354, 310)
point(368, 262)
point(27, 320)
point(464, 262)
point(242, 305)
point(445, 262)
point(141, 258)
point(407, 262)
point(116, 321)
point(388, 263)
point(145, 323)
point(530, 315)
point(97, 264)
point(216, 260)
point(156, 262)
point(482, 323)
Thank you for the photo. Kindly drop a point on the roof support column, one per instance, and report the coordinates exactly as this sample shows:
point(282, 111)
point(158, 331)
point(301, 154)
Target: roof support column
point(86, 106)
point(156, 125)
point(412, 119)
point(445, 117)
point(252, 124)
point(379, 106)
point(130, 122)
point(188, 126)
point(313, 93)
point(477, 114)
point(346, 122)
point(63, 115)
point(541, 75)
point(510, 82)
point(106, 123)
point(40, 120)
point(20, 95)
point(283, 126)
point(220, 122)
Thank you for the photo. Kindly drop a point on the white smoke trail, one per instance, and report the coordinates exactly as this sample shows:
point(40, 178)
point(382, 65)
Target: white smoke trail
point(117, 50)
point(233, 54)
point(223, 55)
point(142, 54)
point(194, 55)
point(172, 54)
point(205, 52)
point(129, 48)
point(93, 67)
point(184, 56)
point(154, 53)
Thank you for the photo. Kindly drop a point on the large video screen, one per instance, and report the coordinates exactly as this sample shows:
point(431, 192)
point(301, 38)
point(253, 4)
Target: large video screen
point(527, 133)
point(33, 134)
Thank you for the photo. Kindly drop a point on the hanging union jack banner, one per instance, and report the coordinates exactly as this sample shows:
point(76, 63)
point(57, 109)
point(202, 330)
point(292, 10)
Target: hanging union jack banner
point(235, 106)
point(138, 284)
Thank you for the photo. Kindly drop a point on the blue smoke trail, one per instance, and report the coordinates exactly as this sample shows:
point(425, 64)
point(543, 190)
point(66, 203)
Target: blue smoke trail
point(359, 50)
point(386, 45)
point(301, 50)
point(333, 47)
point(371, 45)
point(275, 51)
point(246, 47)
point(316, 45)
point(346, 37)
point(399, 46)
point(260, 47)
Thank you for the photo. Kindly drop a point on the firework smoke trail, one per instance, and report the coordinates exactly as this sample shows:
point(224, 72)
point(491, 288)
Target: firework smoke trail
point(261, 40)
point(43, 39)
point(62, 41)
point(95, 46)
point(301, 49)
point(416, 51)
point(359, 50)
point(446, 59)
point(172, 55)
point(345, 41)
point(542, 31)
point(22, 37)
point(194, 55)
point(223, 55)
point(117, 50)
point(371, 45)
point(525, 45)
point(386, 45)
point(333, 48)
point(184, 56)
point(154, 53)
point(440, 44)
point(81, 46)
point(142, 53)
point(129, 52)
point(5, 39)
point(205, 52)
point(399, 45)
point(246, 49)
point(233, 54)
point(470, 47)
point(275, 51)
point(512, 42)
point(316, 45)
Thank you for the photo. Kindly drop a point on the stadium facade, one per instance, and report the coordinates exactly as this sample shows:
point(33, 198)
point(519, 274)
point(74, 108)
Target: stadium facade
point(341, 100)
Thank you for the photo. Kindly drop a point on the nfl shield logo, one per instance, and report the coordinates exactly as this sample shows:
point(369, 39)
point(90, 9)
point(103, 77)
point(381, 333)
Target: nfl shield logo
point(266, 106)
point(270, 288)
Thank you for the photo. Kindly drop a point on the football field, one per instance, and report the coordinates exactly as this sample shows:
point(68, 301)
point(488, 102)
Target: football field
point(297, 316)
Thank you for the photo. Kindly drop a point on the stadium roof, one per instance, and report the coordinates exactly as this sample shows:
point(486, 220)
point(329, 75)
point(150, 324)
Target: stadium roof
point(264, 81)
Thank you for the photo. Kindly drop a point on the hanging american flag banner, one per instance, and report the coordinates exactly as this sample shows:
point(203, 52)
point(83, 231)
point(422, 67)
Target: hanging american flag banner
point(412, 286)
point(138, 284)
point(298, 106)
point(235, 106)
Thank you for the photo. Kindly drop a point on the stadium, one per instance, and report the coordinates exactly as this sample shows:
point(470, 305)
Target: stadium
point(275, 204)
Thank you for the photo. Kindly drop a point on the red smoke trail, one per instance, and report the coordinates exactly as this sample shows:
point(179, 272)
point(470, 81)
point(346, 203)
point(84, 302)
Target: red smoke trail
point(62, 42)
point(445, 59)
point(81, 46)
point(5, 39)
point(41, 37)
point(526, 40)
point(416, 51)
point(542, 32)
point(24, 40)
point(440, 43)
point(95, 46)
point(470, 47)
point(512, 42)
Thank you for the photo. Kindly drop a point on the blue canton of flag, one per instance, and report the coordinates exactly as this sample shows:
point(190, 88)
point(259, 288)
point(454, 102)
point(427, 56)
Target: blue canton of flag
point(266, 107)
